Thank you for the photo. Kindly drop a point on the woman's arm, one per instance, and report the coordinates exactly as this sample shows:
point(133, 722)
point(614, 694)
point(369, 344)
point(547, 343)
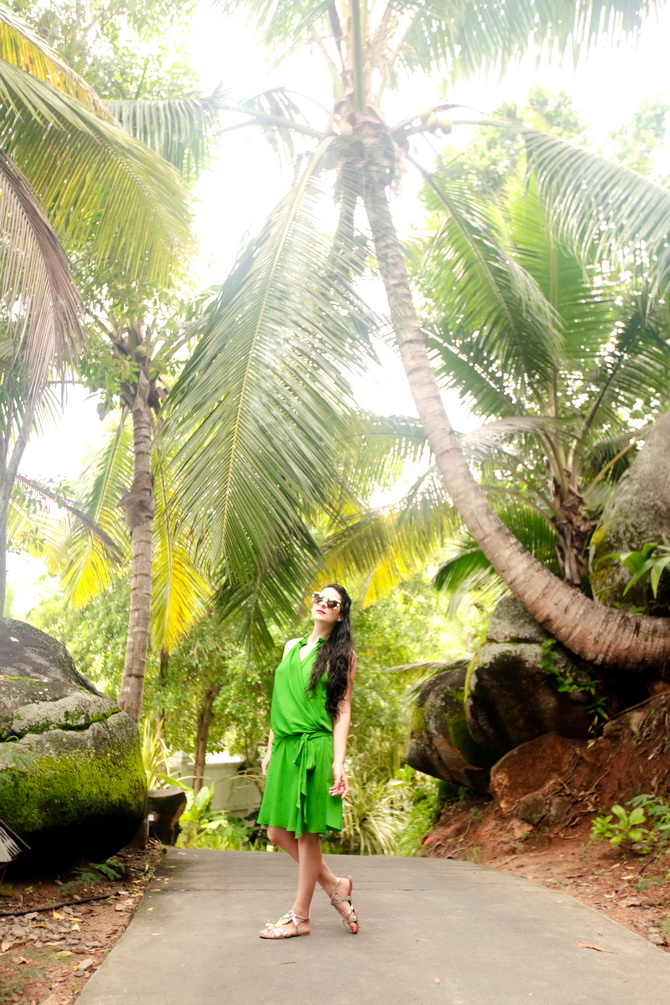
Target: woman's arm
point(268, 754)
point(340, 736)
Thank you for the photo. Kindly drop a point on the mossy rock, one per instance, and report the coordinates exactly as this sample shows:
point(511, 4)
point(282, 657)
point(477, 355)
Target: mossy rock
point(637, 514)
point(509, 699)
point(72, 784)
point(441, 744)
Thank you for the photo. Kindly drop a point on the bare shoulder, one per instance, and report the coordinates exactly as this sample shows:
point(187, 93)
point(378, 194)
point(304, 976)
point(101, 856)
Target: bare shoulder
point(289, 645)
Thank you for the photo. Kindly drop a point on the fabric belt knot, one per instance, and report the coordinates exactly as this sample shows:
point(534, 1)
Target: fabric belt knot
point(305, 760)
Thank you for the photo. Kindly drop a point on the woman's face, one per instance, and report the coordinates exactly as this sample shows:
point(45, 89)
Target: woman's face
point(321, 612)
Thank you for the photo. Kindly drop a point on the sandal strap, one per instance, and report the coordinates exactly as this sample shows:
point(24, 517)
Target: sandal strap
point(286, 919)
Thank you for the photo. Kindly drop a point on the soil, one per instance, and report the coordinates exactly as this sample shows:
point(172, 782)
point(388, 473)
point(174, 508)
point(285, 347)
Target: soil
point(50, 945)
point(632, 890)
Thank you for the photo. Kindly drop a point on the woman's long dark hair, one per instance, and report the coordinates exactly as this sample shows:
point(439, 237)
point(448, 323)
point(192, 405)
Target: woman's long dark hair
point(335, 656)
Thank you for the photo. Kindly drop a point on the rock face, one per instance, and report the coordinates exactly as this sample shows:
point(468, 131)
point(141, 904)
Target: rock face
point(637, 514)
point(71, 778)
point(440, 743)
point(544, 780)
point(521, 685)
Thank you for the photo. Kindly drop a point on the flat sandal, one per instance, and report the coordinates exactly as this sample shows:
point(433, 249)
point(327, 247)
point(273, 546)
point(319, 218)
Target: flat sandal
point(278, 932)
point(350, 919)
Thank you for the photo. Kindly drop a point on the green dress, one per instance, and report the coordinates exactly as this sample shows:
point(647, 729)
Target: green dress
point(300, 770)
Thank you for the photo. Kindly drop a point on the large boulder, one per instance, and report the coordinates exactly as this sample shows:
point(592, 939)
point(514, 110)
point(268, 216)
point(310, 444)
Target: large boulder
point(522, 684)
point(440, 742)
point(72, 784)
point(637, 514)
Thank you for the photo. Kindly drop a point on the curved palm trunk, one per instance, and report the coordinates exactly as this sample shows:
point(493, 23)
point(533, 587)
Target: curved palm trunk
point(599, 634)
point(139, 506)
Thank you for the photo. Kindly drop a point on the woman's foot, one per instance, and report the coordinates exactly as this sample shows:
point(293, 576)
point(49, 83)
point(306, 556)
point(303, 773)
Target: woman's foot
point(288, 926)
point(340, 898)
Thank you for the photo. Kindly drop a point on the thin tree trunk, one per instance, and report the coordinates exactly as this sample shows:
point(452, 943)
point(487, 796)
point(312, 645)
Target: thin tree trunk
point(4, 507)
point(139, 506)
point(202, 734)
point(599, 634)
point(9, 470)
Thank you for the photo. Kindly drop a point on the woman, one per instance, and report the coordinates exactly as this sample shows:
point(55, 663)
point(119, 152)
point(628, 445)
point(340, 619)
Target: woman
point(311, 712)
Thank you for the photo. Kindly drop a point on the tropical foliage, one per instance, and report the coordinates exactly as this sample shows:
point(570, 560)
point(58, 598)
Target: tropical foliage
point(566, 371)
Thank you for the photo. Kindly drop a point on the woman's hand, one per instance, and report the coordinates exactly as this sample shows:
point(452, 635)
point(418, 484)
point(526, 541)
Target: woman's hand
point(266, 761)
point(340, 785)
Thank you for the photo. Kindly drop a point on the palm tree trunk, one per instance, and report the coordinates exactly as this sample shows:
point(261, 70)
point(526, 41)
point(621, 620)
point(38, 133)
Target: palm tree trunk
point(599, 634)
point(139, 506)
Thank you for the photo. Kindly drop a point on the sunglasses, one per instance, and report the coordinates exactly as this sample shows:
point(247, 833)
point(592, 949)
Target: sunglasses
point(318, 598)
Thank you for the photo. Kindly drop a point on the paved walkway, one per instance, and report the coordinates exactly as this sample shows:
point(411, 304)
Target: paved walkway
point(432, 931)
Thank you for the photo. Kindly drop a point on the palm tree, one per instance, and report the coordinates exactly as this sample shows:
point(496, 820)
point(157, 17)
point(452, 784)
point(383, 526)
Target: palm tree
point(65, 160)
point(564, 368)
point(365, 48)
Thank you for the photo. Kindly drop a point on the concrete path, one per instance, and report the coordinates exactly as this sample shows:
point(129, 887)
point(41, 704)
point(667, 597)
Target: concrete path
point(432, 931)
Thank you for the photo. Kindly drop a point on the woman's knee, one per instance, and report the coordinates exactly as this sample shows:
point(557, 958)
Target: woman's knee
point(276, 834)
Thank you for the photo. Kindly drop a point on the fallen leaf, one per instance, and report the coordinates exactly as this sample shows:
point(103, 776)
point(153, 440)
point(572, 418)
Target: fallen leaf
point(75, 928)
point(58, 915)
point(149, 908)
point(83, 965)
point(5, 946)
point(157, 933)
point(587, 945)
point(19, 959)
point(64, 952)
point(436, 980)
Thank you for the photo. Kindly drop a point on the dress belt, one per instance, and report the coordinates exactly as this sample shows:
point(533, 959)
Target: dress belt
point(305, 760)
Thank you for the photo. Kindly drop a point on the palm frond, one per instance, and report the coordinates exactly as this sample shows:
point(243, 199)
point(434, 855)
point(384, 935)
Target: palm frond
point(39, 305)
point(602, 209)
point(266, 399)
point(584, 304)
point(375, 452)
point(478, 384)
point(179, 592)
point(467, 37)
point(279, 116)
point(20, 46)
point(386, 545)
point(469, 569)
point(180, 130)
point(101, 189)
point(91, 567)
point(471, 278)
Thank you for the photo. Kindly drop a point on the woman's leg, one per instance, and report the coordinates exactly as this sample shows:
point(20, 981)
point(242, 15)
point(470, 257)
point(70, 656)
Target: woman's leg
point(287, 840)
point(310, 861)
point(306, 850)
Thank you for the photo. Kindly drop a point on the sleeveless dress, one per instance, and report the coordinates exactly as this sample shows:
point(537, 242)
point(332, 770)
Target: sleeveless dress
point(300, 772)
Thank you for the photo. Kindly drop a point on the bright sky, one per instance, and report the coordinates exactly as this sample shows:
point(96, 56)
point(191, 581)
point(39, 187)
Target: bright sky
point(245, 182)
